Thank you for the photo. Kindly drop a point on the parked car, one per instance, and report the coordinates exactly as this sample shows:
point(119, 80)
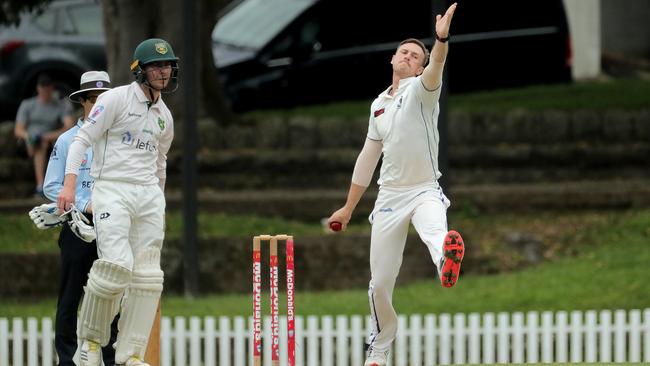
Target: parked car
point(295, 52)
point(283, 53)
point(64, 41)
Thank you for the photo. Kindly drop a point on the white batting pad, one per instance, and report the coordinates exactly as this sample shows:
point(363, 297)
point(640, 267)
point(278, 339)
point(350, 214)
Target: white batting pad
point(106, 283)
point(139, 306)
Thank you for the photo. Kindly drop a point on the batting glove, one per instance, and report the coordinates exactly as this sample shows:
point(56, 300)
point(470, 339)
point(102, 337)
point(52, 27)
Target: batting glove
point(80, 225)
point(46, 216)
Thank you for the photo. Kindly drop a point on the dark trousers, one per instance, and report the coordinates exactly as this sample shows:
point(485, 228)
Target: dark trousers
point(77, 257)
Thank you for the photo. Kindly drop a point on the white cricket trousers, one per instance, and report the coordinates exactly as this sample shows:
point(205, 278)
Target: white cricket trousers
point(425, 207)
point(129, 218)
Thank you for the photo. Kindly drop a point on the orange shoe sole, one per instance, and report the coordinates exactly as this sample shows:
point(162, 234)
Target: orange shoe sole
point(453, 249)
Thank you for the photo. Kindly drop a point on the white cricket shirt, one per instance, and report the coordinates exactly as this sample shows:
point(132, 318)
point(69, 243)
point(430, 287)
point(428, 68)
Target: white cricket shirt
point(130, 139)
point(407, 125)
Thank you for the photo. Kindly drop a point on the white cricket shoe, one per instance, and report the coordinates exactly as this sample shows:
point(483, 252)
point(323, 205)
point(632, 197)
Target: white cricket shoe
point(377, 357)
point(90, 354)
point(135, 361)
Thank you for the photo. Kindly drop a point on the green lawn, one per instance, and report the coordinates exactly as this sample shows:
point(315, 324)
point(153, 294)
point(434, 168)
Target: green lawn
point(626, 94)
point(18, 233)
point(598, 277)
point(605, 268)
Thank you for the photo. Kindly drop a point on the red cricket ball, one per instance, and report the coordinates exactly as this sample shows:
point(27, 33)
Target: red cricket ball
point(336, 226)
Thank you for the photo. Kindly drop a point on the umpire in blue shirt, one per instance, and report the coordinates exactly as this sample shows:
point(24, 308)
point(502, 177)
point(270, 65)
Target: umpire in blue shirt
point(77, 256)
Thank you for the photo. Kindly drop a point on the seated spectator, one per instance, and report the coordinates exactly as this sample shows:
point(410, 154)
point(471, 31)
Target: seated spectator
point(39, 122)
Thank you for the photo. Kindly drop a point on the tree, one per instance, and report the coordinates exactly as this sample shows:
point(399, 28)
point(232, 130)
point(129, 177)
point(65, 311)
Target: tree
point(127, 23)
point(11, 9)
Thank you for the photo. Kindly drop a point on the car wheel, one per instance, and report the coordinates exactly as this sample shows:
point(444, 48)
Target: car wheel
point(63, 88)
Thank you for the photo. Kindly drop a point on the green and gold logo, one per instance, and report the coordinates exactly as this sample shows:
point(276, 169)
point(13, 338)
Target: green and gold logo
point(161, 48)
point(161, 123)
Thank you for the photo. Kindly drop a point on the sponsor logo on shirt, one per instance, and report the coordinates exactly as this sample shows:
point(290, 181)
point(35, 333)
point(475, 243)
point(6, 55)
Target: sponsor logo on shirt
point(147, 131)
point(138, 143)
point(379, 112)
point(134, 115)
point(145, 145)
point(127, 139)
point(96, 112)
point(104, 215)
point(399, 103)
point(161, 123)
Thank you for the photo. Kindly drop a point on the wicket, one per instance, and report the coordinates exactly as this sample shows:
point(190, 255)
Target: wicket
point(257, 299)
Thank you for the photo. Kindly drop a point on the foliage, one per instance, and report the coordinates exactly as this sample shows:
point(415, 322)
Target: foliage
point(11, 9)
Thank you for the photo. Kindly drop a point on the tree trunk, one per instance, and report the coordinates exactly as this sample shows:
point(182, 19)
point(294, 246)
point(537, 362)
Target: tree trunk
point(127, 23)
point(212, 93)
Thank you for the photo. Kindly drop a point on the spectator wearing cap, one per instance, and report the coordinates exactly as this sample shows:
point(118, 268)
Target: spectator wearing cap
point(77, 256)
point(39, 122)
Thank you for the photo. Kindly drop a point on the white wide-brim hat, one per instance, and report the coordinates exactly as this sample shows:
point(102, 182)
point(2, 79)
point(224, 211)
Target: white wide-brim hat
point(91, 80)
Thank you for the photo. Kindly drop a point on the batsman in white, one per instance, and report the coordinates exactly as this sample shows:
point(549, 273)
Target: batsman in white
point(403, 126)
point(77, 237)
point(130, 130)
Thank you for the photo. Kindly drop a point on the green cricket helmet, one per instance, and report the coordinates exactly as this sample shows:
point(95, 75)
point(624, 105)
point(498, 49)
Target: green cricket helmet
point(153, 50)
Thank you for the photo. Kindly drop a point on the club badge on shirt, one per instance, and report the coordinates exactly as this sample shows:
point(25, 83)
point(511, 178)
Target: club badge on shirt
point(379, 112)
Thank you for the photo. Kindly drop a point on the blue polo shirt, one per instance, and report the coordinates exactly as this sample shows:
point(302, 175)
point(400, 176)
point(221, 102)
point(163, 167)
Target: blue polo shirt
point(55, 174)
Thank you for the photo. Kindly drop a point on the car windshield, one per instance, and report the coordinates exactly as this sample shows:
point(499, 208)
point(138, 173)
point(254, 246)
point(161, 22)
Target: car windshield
point(255, 22)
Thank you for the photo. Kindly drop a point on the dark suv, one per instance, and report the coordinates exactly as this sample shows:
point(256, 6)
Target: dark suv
point(64, 41)
point(293, 52)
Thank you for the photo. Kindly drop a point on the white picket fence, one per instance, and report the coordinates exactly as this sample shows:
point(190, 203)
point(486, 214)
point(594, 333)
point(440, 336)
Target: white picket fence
point(607, 336)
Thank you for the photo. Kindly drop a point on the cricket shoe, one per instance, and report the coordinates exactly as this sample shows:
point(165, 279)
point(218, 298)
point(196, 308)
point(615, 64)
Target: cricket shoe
point(135, 361)
point(90, 354)
point(377, 357)
point(453, 250)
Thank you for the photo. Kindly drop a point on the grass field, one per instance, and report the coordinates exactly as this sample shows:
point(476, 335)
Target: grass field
point(606, 268)
point(18, 233)
point(626, 94)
